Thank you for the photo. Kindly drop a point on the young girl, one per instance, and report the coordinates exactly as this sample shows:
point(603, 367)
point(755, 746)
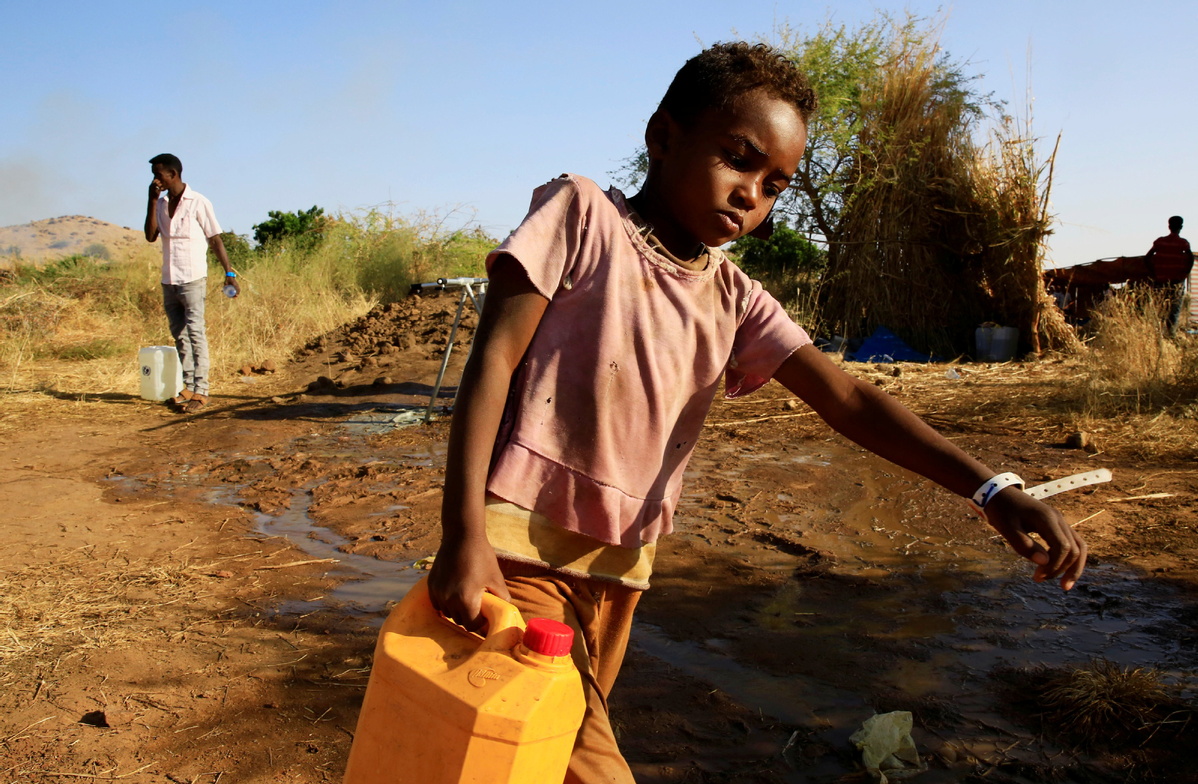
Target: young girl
point(608, 324)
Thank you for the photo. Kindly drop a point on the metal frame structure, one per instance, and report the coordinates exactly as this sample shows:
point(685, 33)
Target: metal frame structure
point(473, 289)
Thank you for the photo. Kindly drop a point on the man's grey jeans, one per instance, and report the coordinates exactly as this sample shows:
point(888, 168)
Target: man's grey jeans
point(184, 305)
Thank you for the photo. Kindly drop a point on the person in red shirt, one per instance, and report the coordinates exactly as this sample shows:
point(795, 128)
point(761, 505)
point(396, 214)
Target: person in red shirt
point(1169, 262)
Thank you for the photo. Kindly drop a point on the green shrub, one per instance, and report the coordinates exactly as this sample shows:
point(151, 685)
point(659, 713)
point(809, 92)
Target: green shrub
point(305, 227)
point(97, 250)
point(789, 267)
point(237, 248)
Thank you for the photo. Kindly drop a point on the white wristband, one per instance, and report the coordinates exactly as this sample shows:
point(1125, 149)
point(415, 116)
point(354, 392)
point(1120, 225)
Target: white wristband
point(991, 488)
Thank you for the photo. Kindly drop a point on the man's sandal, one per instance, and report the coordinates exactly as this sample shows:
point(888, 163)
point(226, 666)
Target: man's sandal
point(195, 403)
point(181, 399)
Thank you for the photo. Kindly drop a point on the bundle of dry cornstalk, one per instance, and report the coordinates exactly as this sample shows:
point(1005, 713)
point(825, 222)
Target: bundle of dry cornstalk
point(940, 233)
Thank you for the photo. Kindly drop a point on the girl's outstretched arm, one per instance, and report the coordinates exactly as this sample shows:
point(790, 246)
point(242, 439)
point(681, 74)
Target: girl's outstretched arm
point(465, 566)
point(875, 420)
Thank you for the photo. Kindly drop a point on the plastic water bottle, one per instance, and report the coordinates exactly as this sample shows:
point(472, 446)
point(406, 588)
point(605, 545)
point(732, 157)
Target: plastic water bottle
point(230, 290)
point(444, 705)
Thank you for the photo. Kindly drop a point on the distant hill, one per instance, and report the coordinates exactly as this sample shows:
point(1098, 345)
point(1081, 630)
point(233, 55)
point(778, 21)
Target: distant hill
point(53, 238)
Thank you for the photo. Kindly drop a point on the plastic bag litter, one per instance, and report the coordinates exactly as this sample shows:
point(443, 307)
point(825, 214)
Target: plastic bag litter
point(886, 746)
point(410, 417)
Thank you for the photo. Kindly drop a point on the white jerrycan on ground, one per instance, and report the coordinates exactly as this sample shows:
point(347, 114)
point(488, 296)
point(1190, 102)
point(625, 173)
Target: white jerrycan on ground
point(161, 372)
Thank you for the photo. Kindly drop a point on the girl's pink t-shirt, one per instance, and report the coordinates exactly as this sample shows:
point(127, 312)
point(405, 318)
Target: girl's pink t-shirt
point(621, 372)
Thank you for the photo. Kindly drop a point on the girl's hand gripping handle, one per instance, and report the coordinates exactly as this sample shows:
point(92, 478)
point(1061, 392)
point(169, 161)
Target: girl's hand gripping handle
point(461, 574)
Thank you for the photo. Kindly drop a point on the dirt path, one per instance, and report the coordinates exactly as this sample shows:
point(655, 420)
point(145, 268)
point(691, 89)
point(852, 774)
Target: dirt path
point(169, 611)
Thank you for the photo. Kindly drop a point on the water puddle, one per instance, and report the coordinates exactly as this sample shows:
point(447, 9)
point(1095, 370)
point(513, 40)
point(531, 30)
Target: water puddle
point(937, 616)
point(376, 583)
point(970, 610)
point(802, 702)
point(949, 612)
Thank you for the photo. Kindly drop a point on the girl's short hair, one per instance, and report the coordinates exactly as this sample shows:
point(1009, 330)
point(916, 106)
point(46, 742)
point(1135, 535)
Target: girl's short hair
point(720, 74)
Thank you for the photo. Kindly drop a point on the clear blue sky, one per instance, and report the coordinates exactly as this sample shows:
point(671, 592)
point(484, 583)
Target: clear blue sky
point(461, 108)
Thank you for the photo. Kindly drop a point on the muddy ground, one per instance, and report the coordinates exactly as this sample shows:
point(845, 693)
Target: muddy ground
point(194, 599)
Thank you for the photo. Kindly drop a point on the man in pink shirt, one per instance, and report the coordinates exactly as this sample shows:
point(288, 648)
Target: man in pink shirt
point(187, 224)
point(1170, 261)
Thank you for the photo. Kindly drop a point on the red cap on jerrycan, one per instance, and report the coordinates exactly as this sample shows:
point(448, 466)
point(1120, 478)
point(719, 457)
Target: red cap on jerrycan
point(548, 638)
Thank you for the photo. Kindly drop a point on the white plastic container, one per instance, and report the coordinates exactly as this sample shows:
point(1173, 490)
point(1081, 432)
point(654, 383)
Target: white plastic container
point(983, 339)
point(1004, 343)
point(161, 372)
point(996, 344)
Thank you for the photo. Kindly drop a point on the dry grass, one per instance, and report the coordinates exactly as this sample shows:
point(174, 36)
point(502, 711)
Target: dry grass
point(1133, 367)
point(274, 314)
point(77, 312)
point(1102, 702)
point(1138, 390)
point(1041, 401)
point(887, 266)
point(1009, 190)
point(76, 327)
point(86, 602)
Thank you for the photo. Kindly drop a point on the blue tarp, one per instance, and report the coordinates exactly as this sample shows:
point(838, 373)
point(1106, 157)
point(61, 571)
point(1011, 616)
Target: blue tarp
point(885, 346)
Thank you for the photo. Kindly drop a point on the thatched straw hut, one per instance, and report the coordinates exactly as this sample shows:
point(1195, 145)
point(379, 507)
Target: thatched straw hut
point(935, 232)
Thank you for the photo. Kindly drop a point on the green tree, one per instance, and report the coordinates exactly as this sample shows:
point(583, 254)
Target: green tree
point(852, 72)
point(930, 229)
point(237, 247)
point(786, 252)
point(787, 264)
point(304, 228)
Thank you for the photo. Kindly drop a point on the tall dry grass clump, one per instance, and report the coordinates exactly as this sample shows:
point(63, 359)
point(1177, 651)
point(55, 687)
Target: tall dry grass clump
point(73, 312)
point(75, 325)
point(887, 266)
point(931, 232)
point(1132, 365)
point(1009, 190)
point(1138, 390)
point(1102, 703)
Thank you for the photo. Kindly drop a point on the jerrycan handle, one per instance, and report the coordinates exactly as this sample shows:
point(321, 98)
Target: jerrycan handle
point(505, 625)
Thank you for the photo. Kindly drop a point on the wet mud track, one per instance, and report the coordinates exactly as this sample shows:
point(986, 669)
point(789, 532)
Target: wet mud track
point(808, 586)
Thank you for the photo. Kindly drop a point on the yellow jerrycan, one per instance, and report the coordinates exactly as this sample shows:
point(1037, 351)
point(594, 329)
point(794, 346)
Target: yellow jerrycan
point(446, 706)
